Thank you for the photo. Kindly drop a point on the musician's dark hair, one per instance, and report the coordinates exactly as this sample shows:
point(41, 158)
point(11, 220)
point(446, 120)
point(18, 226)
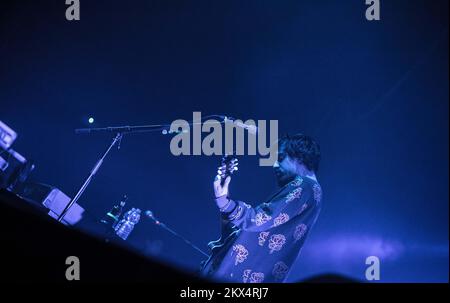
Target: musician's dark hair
point(303, 148)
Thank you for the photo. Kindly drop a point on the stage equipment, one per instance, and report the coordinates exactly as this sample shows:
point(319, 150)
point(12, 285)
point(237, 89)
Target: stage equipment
point(7, 136)
point(53, 199)
point(14, 168)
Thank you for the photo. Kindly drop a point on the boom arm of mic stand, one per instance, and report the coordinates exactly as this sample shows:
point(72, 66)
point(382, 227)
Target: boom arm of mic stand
point(122, 129)
point(140, 128)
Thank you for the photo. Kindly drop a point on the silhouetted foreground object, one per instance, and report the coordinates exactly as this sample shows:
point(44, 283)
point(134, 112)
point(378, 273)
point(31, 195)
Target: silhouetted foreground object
point(329, 278)
point(35, 248)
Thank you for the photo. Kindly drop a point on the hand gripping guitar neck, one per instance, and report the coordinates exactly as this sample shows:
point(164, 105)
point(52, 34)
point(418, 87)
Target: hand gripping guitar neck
point(228, 231)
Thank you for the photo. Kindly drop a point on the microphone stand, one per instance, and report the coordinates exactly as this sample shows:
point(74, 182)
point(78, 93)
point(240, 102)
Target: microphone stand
point(149, 214)
point(120, 131)
point(91, 175)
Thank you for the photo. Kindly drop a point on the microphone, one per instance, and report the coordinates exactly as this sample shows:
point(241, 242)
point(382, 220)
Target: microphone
point(149, 214)
point(252, 129)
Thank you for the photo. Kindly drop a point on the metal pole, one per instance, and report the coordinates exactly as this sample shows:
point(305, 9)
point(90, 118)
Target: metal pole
point(116, 139)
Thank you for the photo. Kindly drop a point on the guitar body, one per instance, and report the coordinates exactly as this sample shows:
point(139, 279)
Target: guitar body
point(228, 233)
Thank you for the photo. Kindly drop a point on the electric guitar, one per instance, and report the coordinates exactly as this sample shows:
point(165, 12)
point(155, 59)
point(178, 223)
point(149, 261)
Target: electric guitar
point(228, 231)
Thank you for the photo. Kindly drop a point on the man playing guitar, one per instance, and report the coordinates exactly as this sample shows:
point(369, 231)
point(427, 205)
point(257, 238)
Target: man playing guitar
point(260, 244)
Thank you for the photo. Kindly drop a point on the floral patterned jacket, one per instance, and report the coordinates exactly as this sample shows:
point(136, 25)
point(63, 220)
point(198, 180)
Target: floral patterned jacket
point(270, 236)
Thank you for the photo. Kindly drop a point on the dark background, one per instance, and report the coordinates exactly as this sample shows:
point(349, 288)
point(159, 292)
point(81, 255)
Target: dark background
point(374, 94)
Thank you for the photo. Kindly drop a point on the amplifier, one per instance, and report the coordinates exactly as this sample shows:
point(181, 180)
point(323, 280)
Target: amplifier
point(53, 199)
point(14, 169)
point(7, 136)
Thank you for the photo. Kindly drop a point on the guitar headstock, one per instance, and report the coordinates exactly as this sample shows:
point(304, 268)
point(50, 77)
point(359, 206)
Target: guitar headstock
point(228, 166)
